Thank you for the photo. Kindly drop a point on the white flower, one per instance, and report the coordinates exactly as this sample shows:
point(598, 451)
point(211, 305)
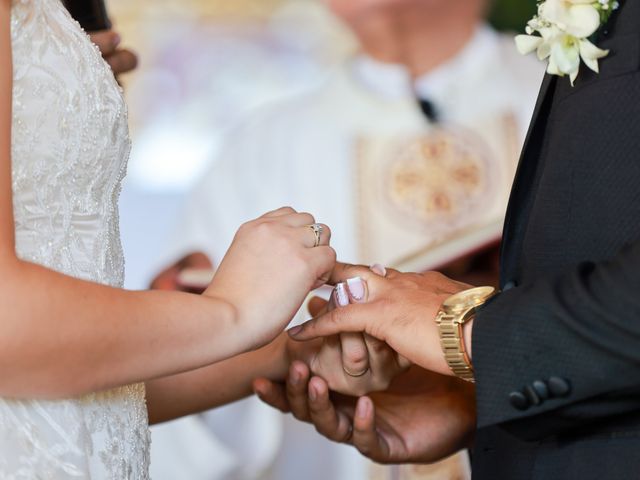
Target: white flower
point(560, 33)
point(579, 18)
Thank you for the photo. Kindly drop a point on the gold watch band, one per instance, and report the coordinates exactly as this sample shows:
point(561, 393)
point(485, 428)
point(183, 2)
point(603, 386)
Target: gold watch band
point(457, 310)
point(452, 342)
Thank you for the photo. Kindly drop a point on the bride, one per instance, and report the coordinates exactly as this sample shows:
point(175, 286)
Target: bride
point(84, 364)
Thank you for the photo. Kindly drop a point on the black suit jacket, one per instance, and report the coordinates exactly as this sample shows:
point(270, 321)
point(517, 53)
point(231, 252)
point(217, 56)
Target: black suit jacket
point(557, 354)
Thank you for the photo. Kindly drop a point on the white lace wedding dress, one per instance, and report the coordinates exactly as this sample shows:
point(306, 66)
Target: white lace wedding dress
point(70, 147)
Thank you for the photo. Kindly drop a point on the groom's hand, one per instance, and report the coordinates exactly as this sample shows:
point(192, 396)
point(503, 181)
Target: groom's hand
point(400, 311)
point(424, 417)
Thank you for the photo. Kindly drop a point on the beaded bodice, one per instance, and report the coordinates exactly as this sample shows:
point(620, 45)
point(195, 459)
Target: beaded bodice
point(70, 146)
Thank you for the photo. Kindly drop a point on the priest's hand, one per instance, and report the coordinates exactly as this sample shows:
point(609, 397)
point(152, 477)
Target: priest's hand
point(119, 59)
point(400, 311)
point(423, 417)
point(173, 277)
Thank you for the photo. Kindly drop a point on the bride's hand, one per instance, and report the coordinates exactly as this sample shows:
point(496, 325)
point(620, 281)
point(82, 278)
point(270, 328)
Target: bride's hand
point(269, 269)
point(350, 363)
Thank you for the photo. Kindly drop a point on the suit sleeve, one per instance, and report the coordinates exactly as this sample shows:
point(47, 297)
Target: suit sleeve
point(582, 326)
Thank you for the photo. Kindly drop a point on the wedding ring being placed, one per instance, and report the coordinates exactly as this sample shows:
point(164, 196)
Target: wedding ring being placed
point(317, 230)
point(355, 375)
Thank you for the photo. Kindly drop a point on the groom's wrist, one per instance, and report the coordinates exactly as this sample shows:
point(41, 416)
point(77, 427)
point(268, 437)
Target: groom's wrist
point(467, 336)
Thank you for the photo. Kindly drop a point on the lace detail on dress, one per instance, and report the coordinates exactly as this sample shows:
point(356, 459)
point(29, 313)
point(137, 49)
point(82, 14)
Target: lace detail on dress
point(70, 146)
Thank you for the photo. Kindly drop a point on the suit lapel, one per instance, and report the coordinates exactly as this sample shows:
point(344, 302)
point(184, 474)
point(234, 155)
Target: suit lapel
point(623, 22)
point(542, 95)
point(523, 182)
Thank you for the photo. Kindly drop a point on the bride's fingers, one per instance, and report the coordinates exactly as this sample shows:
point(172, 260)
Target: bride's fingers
point(296, 219)
point(380, 354)
point(309, 235)
point(344, 271)
point(321, 261)
point(352, 275)
point(355, 356)
point(279, 212)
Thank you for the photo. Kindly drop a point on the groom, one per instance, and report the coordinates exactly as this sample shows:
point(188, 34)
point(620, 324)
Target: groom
point(556, 355)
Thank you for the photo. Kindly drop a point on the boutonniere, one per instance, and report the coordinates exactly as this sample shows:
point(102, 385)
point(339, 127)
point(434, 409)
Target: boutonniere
point(560, 32)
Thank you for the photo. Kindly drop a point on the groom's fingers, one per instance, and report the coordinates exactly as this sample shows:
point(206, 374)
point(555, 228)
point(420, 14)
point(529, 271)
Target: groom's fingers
point(273, 394)
point(297, 385)
point(328, 421)
point(365, 434)
point(349, 319)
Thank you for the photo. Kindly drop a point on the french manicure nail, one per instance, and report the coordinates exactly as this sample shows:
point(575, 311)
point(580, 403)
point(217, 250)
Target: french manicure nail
point(378, 269)
point(356, 287)
point(295, 330)
point(342, 297)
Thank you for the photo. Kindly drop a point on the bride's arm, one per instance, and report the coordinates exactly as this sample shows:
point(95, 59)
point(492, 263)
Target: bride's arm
point(232, 379)
point(215, 385)
point(60, 336)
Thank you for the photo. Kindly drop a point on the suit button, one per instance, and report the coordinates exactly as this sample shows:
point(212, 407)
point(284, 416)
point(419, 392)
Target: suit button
point(532, 395)
point(559, 387)
point(509, 285)
point(518, 400)
point(541, 389)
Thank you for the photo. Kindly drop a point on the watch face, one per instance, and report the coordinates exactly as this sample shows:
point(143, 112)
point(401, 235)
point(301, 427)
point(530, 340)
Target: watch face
point(468, 299)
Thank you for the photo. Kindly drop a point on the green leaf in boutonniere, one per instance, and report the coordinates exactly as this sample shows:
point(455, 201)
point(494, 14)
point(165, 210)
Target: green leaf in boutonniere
point(560, 32)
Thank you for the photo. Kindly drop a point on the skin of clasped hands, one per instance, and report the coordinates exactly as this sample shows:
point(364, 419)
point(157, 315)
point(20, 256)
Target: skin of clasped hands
point(331, 357)
point(424, 414)
point(266, 275)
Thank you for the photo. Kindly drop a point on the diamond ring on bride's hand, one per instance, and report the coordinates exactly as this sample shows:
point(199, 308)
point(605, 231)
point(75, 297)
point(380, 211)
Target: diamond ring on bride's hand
point(317, 230)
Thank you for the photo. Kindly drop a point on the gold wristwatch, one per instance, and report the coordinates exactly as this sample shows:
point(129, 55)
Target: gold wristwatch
point(454, 313)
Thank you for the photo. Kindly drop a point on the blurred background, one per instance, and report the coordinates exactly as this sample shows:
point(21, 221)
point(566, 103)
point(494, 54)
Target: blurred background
point(203, 65)
point(207, 69)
